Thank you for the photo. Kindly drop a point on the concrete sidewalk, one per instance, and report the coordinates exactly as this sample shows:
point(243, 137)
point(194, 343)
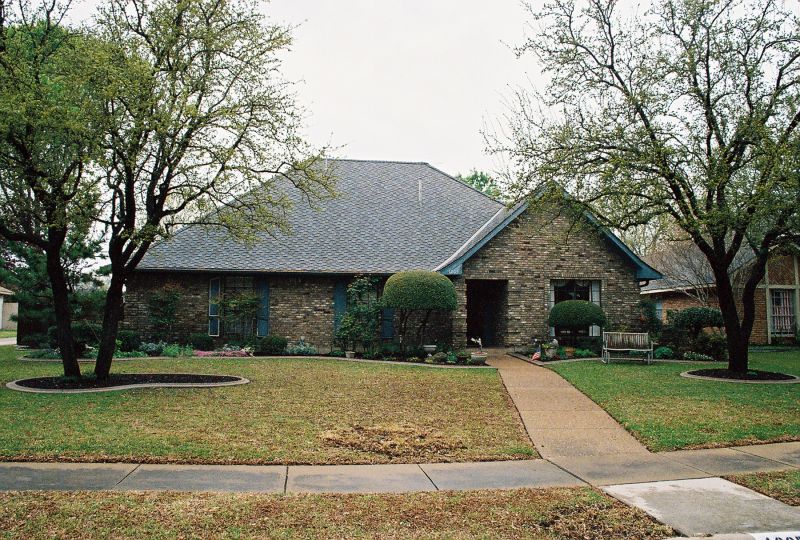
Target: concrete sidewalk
point(601, 471)
point(8, 341)
point(282, 479)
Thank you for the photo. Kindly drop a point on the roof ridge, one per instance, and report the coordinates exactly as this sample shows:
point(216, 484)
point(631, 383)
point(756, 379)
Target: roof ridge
point(381, 161)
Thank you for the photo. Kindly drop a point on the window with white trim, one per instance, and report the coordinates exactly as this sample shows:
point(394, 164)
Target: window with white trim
point(783, 316)
point(575, 289)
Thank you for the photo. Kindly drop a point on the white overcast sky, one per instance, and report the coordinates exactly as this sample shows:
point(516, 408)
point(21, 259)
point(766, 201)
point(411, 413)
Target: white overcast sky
point(405, 79)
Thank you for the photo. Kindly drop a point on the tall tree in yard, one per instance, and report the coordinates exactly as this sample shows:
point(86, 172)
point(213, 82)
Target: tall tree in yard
point(203, 129)
point(50, 124)
point(688, 111)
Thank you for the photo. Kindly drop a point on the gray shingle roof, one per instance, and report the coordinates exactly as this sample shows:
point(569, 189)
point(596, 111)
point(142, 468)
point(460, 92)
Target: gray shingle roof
point(379, 224)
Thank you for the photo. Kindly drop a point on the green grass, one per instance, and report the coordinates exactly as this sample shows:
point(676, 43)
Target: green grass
point(514, 514)
point(783, 485)
point(294, 411)
point(7, 334)
point(667, 412)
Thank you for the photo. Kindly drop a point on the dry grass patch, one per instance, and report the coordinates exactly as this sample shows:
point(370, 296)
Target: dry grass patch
point(546, 514)
point(368, 413)
point(392, 440)
point(783, 485)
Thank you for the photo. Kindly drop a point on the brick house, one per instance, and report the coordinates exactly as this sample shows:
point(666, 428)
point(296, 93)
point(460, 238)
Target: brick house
point(508, 265)
point(777, 300)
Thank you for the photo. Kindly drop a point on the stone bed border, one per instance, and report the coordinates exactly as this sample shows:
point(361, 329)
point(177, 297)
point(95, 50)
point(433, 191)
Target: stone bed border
point(240, 380)
point(688, 375)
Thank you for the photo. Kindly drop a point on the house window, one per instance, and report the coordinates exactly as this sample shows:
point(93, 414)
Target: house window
point(339, 303)
point(387, 323)
point(213, 306)
point(262, 315)
point(782, 312)
point(660, 310)
point(575, 289)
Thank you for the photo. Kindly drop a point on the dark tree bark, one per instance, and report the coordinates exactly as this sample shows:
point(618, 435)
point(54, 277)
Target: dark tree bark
point(112, 315)
point(58, 281)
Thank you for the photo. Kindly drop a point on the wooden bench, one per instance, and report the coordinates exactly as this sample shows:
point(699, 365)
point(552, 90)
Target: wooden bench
point(617, 342)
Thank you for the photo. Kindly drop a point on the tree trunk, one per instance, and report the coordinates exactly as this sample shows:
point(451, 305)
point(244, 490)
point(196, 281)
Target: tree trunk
point(58, 284)
point(112, 314)
point(737, 331)
point(422, 326)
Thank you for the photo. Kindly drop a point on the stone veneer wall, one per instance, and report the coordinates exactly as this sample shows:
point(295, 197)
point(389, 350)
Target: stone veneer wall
point(532, 251)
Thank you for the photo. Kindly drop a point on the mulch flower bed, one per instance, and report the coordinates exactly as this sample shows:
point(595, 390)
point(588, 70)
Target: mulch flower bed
point(122, 379)
point(751, 375)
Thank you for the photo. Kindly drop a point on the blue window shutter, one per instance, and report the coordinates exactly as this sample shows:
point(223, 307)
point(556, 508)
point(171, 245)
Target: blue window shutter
point(339, 303)
point(262, 328)
point(387, 323)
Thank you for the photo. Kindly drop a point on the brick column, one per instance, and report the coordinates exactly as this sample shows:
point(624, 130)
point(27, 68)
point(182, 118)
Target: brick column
point(459, 319)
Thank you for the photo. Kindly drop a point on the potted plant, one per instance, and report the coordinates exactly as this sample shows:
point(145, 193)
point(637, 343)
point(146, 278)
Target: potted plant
point(480, 356)
point(550, 349)
point(430, 349)
point(349, 354)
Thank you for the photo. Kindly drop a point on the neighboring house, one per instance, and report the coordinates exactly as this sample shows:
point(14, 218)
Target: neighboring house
point(7, 310)
point(777, 300)
point(508, 265)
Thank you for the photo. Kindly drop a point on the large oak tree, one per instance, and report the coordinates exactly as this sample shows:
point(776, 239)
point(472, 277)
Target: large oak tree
point(687, 111)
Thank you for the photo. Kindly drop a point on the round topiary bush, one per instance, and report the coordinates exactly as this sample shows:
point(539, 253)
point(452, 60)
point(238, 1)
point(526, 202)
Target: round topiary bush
point(576, 314)
point(419, 289)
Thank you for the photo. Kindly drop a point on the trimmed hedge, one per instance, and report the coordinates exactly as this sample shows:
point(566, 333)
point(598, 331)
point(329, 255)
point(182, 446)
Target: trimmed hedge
point(576, 314)
point(419, 289)
point(694, 319)
point(201, 341)
point(269, 345)
point(129, 340)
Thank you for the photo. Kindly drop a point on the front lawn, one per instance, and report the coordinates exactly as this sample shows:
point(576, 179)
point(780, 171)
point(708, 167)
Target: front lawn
point(668, 412)
point(7, 334)
point(552, 513)
point(294, 411)
point(783, 485)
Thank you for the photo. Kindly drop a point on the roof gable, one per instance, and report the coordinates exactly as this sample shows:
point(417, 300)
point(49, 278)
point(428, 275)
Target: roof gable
point(454, 264)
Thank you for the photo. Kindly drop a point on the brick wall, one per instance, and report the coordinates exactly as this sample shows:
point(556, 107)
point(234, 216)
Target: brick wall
point(300, 307)
point(533, 250)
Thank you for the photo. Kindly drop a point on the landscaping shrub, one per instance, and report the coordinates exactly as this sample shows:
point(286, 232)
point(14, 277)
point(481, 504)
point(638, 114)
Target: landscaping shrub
point(201, 341)
point(674, 338)
point(337, 353)
point(592, 343)
point(462, 357)
point(47, 354)
point(694, 319)
point(152, 349)
point(301, 349)
point(162, 309)
point(584, 353)
point(576, 314)
point(695, 356)
point(439, 358)
point(389, 350)
point(269, 345)
point(34, 341)
point(128, 341)
point(173, 350)
point(648, 317)
point(358, 325)
point(712, 344)
point(663, 352)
